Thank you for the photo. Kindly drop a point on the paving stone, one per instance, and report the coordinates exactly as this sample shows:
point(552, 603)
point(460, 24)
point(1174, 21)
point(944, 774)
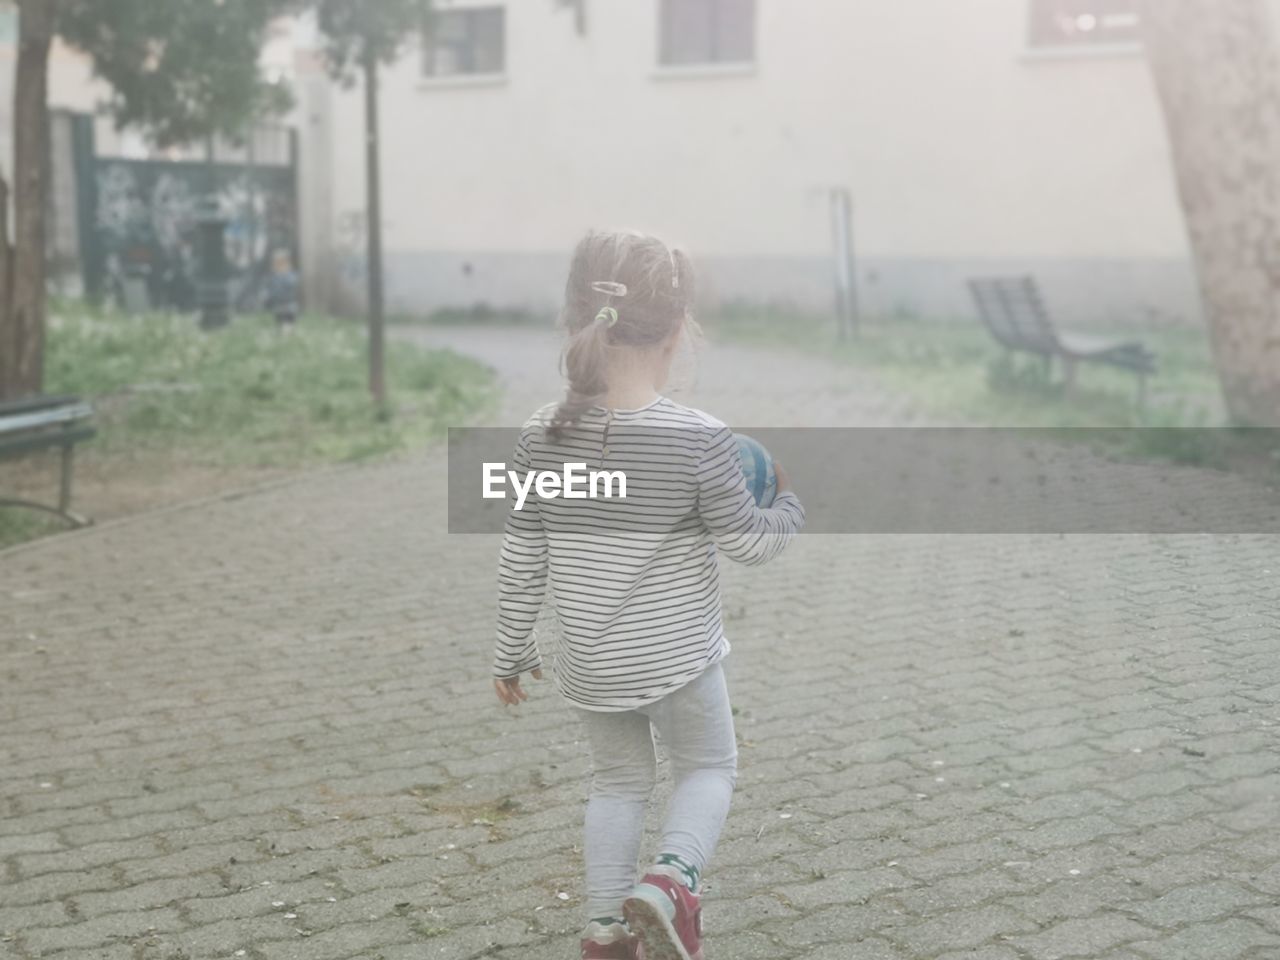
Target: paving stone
point(1226, 939)
point(99, 931)
point(291, 687)
point(1081, 937)
point(844, 923)
point(960, 928)
point(17, 919)
point(1196, 903)
point(963, 890)
point(144, 896)
point(855, 886)
point(1077, 896)
point(868, 949)
point(981, 953)
point(36, 842)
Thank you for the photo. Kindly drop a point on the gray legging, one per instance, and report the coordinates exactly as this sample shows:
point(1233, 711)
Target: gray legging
point(695, 725)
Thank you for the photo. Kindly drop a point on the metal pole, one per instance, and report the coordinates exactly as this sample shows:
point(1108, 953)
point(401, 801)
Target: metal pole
point(251, 274)
point(840, 237)
point(850, 263)
point(211, 286)
point(377, 381)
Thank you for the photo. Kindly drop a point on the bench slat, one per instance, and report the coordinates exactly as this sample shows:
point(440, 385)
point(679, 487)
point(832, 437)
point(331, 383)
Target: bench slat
point(41, 402)
point(1014, 312)
point(18, 423)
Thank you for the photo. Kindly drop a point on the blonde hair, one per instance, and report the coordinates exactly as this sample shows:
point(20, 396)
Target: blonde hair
point(624, 290)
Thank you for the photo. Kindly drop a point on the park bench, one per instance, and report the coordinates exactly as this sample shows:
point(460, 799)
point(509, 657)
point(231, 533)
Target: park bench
point(45, 423)
point(1014, 313)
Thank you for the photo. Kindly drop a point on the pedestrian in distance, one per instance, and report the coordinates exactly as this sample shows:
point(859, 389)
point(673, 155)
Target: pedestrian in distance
point(282, 290)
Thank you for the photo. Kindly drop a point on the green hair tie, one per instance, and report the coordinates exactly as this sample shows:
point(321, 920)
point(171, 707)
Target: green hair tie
point(608, 315)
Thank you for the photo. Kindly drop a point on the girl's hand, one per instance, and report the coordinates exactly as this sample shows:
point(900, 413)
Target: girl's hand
point(509, 691)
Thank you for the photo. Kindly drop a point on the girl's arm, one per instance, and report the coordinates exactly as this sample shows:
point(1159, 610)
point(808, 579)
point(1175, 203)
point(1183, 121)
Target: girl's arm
point(744, 531)
point(522, 581)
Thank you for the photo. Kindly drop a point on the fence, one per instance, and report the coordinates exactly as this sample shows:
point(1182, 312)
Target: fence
point(135, 219)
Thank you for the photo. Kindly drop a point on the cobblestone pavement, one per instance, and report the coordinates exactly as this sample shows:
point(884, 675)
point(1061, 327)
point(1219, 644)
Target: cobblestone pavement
point(261, 727)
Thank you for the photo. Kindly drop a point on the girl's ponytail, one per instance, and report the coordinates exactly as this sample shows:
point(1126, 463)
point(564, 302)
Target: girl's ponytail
point(624, 290)
point(584, 364)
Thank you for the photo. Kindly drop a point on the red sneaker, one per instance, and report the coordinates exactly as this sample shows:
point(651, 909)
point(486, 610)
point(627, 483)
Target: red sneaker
point(613, 942)
point(665, 917)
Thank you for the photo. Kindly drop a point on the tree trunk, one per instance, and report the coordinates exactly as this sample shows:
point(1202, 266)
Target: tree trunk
point(22, 320)
point(1218, 77)
point(6, 274)
point(373, 200)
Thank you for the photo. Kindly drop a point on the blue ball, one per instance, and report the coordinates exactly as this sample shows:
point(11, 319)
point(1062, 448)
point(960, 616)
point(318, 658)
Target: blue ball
point(757, 467)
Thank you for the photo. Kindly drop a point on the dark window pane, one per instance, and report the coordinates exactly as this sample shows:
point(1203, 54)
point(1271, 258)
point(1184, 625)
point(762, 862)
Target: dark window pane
point(489, 41)
point(466, 41)
point(736, 30)
point(707, 31)
point(686, 31)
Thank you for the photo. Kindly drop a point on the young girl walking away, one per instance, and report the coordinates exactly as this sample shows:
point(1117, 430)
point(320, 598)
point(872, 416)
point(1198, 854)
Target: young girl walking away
point(635, 586)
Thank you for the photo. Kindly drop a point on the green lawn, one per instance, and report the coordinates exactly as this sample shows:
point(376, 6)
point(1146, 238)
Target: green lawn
point(248, 395)
point(954, 371)
point(251, 394)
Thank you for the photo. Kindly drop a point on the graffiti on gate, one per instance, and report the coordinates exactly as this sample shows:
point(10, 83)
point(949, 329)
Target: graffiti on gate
point(146, 225)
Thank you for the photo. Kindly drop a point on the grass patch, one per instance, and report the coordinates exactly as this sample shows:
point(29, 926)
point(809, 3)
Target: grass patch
point(20, 525)
point(246, 398)
point(476, 315)
point(954, 371)
point(251, 394)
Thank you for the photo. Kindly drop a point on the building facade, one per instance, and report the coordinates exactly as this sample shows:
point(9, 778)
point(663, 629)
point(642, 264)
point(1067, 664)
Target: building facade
point(975, 137)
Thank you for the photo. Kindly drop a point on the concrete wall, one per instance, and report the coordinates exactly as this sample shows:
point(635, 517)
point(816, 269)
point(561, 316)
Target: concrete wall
point(966, 153)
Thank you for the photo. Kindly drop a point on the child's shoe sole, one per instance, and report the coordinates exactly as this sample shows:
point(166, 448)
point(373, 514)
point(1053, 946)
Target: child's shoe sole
point(658, 938)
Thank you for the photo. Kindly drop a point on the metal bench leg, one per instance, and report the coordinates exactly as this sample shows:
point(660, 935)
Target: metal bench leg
point(72, 519)
point(64, 487)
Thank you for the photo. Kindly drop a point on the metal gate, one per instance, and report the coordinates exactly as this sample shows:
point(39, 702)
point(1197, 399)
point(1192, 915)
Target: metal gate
point(137, 218)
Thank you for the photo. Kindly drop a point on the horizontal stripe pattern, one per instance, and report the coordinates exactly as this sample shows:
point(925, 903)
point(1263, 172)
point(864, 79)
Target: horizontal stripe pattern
point(634, 581)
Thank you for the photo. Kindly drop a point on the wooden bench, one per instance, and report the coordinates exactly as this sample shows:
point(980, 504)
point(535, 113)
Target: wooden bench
point(1014, 312)
point(43, 423)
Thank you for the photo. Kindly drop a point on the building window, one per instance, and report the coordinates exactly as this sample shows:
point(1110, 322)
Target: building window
point(468, 41)
point(707, 31)
point(8, 24)
point(1074, 23)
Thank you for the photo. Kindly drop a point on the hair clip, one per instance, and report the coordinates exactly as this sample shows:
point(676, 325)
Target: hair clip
point(608, 316)
point(610, 287)
point(675, 269)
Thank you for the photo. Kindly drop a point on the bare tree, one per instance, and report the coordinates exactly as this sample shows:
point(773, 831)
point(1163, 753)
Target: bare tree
point(1217, 72)
point(362, 34)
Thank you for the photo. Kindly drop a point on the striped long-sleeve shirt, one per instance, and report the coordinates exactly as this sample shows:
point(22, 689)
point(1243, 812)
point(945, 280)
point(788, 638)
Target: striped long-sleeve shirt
point(634, 580)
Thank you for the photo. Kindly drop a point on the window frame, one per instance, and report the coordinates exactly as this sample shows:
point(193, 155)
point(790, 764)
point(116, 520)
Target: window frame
point(431, 48)
point(715, 66)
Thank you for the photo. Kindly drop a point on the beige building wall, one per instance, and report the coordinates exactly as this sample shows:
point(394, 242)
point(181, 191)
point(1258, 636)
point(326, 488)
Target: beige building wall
point(72, 85)
point(965, 151)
